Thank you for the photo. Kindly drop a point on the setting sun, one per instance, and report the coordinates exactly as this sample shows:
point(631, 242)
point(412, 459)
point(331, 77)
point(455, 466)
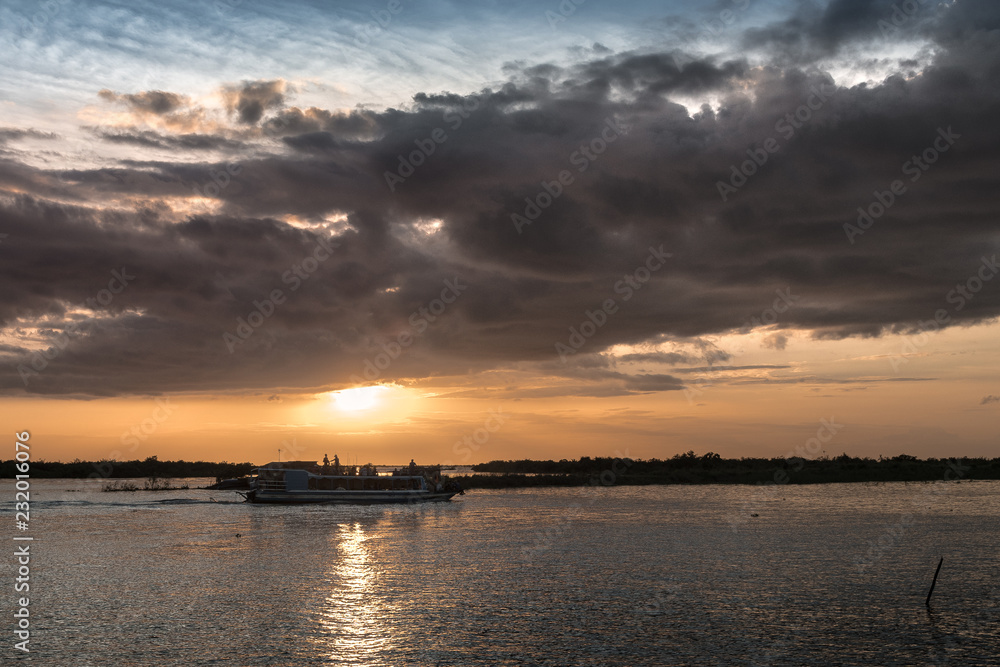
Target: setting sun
point(357, 399)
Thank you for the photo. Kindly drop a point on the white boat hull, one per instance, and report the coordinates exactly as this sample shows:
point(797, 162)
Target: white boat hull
point(348, 497)
point(301, 483)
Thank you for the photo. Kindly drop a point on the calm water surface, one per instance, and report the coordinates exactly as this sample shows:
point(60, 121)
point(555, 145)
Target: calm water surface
point(679, 575)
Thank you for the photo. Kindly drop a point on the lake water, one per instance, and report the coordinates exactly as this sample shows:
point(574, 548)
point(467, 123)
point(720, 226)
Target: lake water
point(669, 575)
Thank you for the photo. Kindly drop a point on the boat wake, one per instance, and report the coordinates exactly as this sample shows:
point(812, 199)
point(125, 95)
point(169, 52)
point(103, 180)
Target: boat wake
point(41, 504)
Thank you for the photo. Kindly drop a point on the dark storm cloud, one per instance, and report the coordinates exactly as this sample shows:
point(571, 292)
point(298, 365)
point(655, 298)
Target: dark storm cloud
point(251, 99)
point(151, 139)
point(155, 102)
point(644, 174)
point(658, 73)
point(296, 123)
point(815, 31)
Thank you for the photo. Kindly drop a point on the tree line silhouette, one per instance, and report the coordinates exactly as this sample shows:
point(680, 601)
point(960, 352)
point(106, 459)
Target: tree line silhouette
point(149, 467)
point(686, 468)
point(710, 468)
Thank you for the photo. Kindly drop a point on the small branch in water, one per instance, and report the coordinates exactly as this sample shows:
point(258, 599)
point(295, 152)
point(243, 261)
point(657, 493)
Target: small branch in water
point(927, 602)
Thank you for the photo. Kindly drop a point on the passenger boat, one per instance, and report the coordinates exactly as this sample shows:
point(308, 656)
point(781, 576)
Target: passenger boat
point(308, 482)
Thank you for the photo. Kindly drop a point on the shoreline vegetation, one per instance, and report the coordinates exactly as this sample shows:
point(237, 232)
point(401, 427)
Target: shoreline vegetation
point(150, 468)
point(151, 484)
point(688, 468)
point(710, 468)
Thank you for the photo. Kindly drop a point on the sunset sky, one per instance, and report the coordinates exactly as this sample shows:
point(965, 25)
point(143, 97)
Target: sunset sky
point(463, 231)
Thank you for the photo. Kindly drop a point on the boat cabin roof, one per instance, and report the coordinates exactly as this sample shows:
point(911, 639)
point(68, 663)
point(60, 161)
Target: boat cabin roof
point(291, 465)
point(315, 470)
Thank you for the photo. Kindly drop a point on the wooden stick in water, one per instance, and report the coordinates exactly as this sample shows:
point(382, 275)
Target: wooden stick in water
point(933, 582)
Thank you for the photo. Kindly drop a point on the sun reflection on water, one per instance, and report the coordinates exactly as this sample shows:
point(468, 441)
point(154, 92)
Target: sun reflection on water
point(354, 614)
